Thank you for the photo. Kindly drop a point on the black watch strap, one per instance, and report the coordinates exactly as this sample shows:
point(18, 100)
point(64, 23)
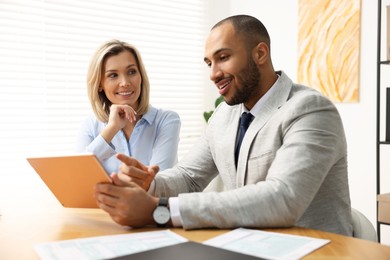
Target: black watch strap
point(163, 202)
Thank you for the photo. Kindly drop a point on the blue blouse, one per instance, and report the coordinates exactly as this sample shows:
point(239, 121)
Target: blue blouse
point(154, 140)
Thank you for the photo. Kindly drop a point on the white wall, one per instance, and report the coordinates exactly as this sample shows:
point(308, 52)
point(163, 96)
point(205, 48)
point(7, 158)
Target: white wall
point(280, 18)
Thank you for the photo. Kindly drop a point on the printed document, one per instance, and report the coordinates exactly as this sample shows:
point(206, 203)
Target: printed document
point(266, 244)
point(103, 247)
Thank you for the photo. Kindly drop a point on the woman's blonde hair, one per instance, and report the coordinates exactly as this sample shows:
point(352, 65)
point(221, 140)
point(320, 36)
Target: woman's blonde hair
point(99, 101)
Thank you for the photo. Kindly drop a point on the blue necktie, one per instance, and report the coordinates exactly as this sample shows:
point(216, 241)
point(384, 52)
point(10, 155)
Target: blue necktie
point(245, 121)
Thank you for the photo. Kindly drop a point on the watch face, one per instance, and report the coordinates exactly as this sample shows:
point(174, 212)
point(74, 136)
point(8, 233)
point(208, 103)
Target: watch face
point(161, 215)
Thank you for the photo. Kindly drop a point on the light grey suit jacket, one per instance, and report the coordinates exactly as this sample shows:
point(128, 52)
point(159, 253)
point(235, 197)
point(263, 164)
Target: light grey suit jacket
point(292, 167)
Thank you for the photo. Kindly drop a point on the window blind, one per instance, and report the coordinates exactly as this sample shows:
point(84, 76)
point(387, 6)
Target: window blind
point(45, 50)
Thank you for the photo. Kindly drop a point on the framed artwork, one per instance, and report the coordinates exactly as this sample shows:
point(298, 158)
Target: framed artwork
point(329, 47)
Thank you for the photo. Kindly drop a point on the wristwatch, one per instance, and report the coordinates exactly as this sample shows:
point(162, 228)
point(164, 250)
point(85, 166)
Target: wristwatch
point(161, 214)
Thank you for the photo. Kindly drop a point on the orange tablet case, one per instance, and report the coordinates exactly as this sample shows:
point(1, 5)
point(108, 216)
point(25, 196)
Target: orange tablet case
point(71, 178)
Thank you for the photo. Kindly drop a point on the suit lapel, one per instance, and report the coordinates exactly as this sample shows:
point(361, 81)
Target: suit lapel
point(231, 132)
point(279, 96)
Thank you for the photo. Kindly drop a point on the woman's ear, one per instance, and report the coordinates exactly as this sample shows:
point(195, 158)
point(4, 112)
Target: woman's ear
point(260, 53)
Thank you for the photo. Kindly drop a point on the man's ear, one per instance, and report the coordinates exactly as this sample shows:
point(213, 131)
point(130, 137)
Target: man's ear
point(260, 53)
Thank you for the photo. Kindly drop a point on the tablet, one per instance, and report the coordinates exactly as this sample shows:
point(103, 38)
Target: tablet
point(190, 251)
point(71, 178)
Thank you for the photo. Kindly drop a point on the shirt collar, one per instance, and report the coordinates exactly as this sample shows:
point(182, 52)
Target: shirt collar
point(261, 102)
point(150, 115)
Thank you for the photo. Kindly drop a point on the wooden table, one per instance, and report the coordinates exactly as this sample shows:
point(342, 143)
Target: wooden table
point(30, 215)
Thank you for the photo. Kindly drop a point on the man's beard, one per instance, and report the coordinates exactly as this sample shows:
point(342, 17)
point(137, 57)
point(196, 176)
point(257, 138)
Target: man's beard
point(249, 84)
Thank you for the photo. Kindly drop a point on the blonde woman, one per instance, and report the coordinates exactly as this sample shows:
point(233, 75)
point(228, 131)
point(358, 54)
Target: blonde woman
point(124, 121)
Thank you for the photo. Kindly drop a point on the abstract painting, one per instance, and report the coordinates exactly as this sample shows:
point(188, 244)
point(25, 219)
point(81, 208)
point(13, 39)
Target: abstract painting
point(328, 47)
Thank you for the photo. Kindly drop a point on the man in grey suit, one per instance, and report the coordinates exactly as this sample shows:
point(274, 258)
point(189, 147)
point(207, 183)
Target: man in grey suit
point(291, 169)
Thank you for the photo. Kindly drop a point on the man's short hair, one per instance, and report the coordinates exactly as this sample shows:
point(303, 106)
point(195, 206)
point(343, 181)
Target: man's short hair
point(250, 28)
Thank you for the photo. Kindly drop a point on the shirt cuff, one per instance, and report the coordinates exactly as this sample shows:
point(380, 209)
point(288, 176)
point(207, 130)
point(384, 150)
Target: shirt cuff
point(101, 148)
point(175, 212)
point(152, 187)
